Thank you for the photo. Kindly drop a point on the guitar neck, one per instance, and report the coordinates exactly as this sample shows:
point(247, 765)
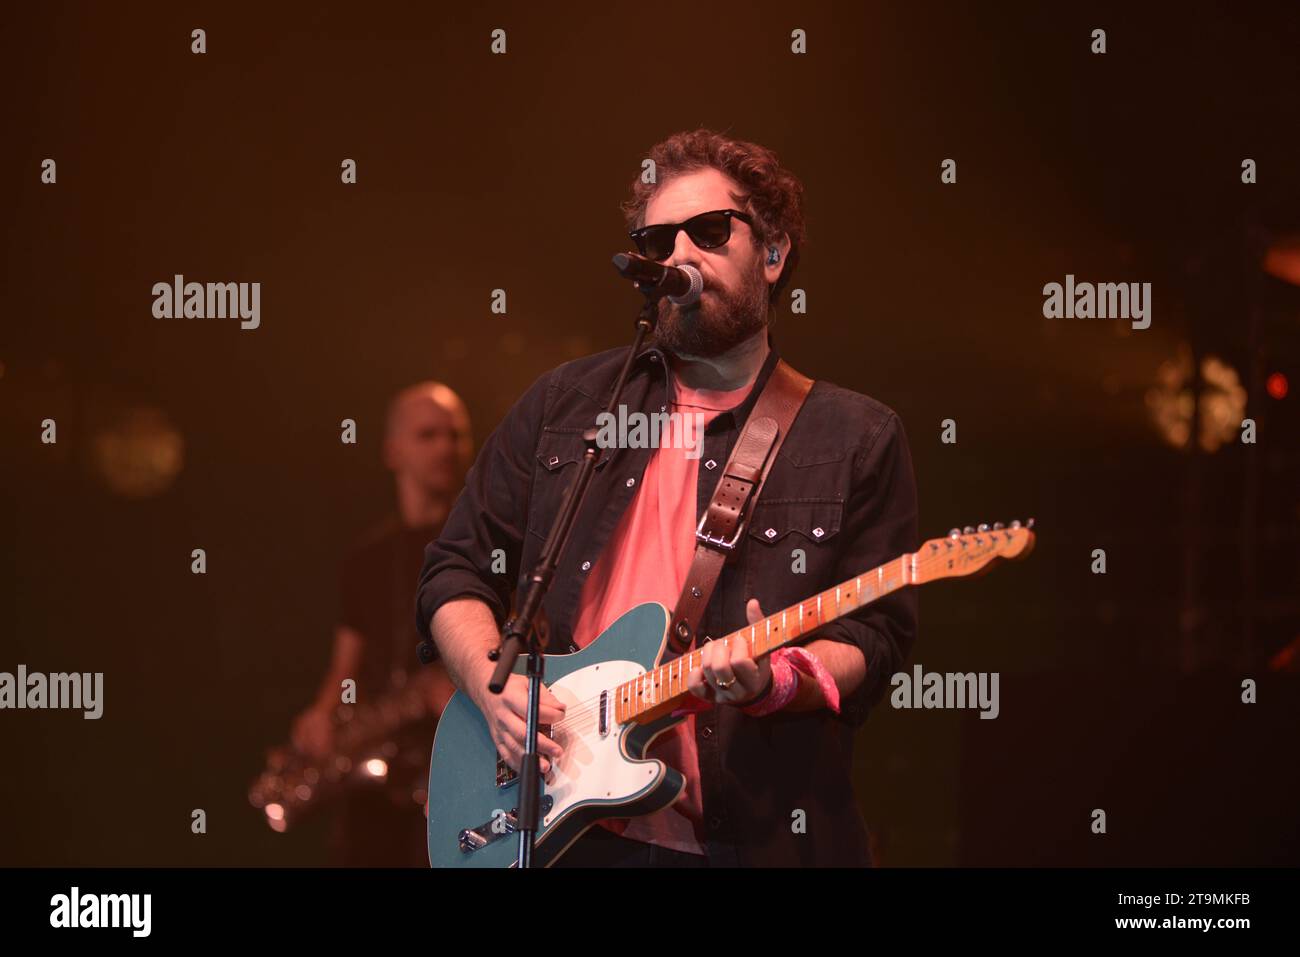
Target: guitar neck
point(958, 553)
point(657, 691)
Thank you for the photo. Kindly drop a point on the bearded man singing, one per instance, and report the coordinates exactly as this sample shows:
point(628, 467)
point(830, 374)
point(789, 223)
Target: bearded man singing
point(766, 751)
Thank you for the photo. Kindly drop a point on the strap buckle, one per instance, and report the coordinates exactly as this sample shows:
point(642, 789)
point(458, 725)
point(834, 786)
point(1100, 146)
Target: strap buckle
point(717, 541)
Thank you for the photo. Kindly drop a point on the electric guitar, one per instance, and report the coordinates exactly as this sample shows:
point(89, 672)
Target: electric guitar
point(617, 702)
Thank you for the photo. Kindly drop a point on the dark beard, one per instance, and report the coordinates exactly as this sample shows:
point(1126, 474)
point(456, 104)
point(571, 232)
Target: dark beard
point(719, 321)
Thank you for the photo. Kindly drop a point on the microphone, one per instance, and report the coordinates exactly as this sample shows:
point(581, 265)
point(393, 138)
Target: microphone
point(681, 284)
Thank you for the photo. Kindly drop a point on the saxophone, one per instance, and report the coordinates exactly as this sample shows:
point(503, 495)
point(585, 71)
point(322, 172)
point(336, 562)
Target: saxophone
point(368, 753)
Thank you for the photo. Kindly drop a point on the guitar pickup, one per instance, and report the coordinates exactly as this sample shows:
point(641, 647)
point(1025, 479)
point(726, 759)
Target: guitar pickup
point(602, 723)
point(500, 825)
point(506, 775)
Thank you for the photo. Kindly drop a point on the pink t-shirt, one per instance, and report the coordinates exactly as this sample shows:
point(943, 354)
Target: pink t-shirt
point(647, 559)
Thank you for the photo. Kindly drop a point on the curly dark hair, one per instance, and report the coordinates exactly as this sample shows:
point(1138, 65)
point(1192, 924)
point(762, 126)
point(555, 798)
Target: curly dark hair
point(771, 194)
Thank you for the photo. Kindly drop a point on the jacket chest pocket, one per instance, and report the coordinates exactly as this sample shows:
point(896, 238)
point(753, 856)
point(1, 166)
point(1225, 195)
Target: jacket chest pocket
point(792, 549)
point(558, 456)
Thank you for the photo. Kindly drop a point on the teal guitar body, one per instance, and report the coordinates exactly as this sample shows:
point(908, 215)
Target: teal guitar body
point(474, 796)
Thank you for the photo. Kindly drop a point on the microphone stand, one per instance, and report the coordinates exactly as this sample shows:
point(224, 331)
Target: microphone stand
point(519, 634)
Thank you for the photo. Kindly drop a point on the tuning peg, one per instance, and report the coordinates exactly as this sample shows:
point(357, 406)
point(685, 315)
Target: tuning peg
point(1015, 523)
point(954, 532)
point(1029, 524)
point(998, 526)
point(968, 530)
point(984, 526)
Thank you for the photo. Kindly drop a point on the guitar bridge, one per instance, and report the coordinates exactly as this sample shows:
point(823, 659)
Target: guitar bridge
point(501, 824)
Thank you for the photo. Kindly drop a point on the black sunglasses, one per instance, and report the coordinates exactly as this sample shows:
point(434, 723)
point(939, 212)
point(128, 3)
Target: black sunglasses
point(707, 230)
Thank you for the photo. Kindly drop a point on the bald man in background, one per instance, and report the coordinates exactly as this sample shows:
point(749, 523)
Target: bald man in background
point(428, 446)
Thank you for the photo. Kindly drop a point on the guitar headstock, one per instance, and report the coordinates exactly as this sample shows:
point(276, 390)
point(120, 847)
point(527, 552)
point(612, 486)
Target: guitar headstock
point(965, 551)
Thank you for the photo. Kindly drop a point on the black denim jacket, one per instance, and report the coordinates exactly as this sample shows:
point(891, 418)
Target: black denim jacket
point(841, 490)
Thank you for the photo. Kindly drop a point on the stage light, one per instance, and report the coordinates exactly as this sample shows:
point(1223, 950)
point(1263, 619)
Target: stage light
point(1221, 403)
point(139, 453)
point(1282, 260)
point(1277, 386)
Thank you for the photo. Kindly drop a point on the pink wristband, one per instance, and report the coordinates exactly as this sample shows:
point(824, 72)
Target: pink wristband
point(786, 662)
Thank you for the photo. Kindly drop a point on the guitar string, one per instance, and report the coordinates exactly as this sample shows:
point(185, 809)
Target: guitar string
point(587, 710)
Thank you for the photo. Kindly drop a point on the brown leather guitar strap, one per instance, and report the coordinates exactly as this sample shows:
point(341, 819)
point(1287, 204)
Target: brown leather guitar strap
point(723, 523)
